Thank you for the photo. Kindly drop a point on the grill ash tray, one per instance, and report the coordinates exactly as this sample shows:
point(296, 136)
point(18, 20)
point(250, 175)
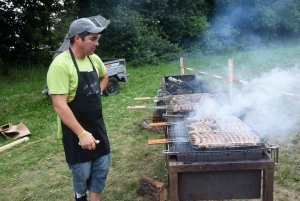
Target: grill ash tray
point(185, 153)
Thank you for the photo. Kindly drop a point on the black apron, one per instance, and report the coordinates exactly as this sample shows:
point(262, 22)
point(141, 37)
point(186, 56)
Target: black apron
point(87, 109)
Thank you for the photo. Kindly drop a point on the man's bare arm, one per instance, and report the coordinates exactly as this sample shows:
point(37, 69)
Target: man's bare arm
point(104, 81)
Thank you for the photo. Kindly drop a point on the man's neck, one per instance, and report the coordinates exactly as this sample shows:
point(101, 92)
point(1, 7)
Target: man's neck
point(77, 54)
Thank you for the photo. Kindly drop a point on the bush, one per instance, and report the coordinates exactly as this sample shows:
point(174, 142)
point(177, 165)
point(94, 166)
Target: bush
point(136, 39)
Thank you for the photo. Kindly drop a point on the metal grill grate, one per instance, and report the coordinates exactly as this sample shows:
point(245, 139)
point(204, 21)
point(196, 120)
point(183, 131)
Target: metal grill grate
point(183, 84)
point(181, 148)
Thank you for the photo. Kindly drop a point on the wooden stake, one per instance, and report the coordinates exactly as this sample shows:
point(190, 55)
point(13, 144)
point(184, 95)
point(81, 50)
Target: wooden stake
point(181, 66)
point(230, 79)
point(13, 143)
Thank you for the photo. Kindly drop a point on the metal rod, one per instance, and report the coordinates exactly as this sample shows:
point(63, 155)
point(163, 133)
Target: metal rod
point(230, 79)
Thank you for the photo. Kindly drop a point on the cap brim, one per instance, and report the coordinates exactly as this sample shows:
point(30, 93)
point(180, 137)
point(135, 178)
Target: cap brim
point(98, 30)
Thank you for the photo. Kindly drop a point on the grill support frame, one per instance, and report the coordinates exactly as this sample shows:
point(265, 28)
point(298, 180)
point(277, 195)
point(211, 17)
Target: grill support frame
point(265, 165)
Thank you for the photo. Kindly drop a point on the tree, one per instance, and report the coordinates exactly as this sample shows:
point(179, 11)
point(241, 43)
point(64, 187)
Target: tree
point(143, 31)
point(27, 31)
point(130, 34)
point(242, 24)
point(148, 31)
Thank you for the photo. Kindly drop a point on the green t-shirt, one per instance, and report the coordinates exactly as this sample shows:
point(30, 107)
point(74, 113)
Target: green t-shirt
point(62, 76)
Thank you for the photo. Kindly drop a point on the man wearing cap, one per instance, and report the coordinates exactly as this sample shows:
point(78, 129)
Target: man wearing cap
point(76, 79)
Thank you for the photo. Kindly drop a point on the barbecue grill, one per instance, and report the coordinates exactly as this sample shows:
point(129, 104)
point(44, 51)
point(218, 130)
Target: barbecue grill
point(184, 149)
point(210, 156)
point(203, 173)
point(231, 167)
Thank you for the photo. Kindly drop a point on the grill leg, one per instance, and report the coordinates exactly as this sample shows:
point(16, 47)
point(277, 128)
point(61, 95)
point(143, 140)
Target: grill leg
point(173, 182)
point(268, 184)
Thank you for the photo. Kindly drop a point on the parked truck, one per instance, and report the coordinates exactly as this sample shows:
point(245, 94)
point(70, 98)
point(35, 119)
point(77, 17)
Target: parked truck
point(116, 68)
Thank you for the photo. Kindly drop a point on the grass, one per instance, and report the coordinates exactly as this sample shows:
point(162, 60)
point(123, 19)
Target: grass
point(36, 169)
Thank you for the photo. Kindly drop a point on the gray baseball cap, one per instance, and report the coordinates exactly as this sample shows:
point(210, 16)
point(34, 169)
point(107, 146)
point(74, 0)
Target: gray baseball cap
point(84, 25)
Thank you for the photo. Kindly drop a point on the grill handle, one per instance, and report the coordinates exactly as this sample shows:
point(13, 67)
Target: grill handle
point(142, 98)
point(165, 123)
point(159, 124)
point(136, 107)
point(145, 107)
point(274, 153)
point(167, 141)
point(158, 141)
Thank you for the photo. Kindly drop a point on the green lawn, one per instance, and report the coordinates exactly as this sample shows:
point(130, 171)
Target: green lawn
point(36, 169)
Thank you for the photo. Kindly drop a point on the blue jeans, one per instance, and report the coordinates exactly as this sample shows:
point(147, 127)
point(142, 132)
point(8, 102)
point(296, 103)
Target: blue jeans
point(90, 175)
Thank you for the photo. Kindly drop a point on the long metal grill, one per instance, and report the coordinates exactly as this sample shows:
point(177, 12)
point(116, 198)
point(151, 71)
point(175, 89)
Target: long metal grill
point(201, 169)
point(181, 146)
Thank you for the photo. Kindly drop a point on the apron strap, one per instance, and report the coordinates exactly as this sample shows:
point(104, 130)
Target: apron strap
point(75, 63)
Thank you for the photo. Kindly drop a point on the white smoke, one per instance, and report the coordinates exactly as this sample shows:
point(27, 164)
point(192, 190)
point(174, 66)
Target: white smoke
point(264, 105)
point(271, 110)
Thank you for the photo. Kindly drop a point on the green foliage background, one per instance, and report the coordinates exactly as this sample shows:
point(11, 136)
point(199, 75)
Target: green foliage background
point(144, 31)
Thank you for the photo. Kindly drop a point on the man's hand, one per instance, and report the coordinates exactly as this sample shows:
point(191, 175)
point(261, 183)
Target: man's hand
point(87, 141)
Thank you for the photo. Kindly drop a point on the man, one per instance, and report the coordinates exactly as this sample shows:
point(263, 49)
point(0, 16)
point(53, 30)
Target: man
point(76, 79)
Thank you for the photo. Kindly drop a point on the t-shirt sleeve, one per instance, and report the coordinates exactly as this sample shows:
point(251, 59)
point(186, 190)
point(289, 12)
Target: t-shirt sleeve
point(99, 65)
point(58, 78)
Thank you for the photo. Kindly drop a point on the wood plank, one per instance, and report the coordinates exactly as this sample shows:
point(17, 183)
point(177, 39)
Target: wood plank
point(13, 143)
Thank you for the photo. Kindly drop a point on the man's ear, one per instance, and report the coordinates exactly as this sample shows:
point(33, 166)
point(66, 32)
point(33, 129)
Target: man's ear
point(77, 37)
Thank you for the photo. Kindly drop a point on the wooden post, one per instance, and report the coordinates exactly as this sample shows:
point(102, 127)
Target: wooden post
point(230, 79)
point(181, 66)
